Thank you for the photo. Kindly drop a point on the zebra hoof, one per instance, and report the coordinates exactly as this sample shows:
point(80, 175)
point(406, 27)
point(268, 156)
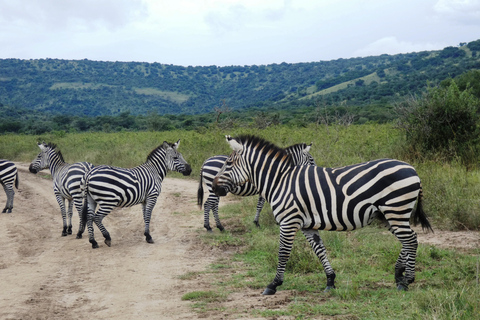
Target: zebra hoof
point(150, 240)
point(108, 242)
point(4, 211)
point(269, 292)
point(328, 288)
point(64, 234)
point(402, 287)
point(94, 244)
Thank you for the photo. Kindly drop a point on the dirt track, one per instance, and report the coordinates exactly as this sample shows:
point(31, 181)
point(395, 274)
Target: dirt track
point(46, 276)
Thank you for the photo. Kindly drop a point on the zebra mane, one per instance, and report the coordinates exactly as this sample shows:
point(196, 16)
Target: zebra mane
point(260, 143)
point(164, 145)
point(53, 146)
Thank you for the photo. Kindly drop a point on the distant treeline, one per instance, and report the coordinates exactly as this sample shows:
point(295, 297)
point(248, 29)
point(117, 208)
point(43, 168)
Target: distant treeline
point(89, 89)
point(23, 122)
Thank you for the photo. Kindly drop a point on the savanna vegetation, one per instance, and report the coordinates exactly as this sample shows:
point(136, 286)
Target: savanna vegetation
point(436, 130)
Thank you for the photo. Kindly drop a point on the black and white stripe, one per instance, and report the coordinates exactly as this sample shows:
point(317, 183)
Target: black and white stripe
point(109, 187)
point(8, 178)
point(66, 182)
point(311, 198)
point(300, 154)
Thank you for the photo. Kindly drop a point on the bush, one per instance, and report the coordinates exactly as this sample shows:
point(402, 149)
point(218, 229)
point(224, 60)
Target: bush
point(444, 121)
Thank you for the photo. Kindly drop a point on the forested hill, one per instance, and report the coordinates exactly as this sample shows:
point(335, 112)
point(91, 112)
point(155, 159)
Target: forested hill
point(93, 88)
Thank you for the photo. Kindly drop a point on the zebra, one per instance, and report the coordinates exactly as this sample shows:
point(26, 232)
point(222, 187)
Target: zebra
point(8, 177)
point(110, 187)
point(301, 156)
point(311, 198)
point(66, 182)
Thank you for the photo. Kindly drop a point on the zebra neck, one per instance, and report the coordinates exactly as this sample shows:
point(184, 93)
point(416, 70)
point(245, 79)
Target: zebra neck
point(159, 168)
point(55, 163)
point(269, 176)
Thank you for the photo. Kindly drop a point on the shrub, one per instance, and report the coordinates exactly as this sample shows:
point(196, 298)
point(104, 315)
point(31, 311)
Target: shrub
point(444, 120)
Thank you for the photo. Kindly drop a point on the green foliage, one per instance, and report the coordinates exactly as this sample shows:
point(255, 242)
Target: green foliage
point(444, 120)
point(83, 88)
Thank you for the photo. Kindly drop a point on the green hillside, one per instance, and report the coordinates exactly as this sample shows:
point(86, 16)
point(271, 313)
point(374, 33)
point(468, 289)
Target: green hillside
point(96, 88)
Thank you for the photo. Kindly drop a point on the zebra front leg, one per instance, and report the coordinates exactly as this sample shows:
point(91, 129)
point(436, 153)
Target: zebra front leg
point(260, 204)
point(319, 248)
point(287, 236)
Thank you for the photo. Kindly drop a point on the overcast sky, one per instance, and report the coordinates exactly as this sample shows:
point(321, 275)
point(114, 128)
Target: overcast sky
point(231, 32)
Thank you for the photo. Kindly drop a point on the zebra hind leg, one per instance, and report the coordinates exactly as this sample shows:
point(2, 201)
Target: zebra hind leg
point(212, 204)
point(319, 248)
point(405, 265)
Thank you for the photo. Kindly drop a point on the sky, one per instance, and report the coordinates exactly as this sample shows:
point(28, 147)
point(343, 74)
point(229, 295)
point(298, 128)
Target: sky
point(231, 32)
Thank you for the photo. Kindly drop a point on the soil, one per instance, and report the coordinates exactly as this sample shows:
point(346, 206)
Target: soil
point(46, 276)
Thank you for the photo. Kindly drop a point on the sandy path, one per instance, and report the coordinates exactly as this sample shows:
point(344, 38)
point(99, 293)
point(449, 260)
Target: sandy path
point(46, 276)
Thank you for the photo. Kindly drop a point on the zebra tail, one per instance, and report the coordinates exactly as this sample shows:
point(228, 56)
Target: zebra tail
point(420, 216)
point(200, 191)
point(83, 187)
point(16, 180)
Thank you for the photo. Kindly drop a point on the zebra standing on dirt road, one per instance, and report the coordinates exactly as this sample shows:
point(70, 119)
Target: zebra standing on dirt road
point(66, 182)
point(110, 187)
point(8, 178)
point(301, 156)
point(311, 198)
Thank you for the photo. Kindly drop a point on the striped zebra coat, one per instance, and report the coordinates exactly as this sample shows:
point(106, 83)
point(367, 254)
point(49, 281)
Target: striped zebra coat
point(300, 154)
point(312, 198)
point(8, 178)
point(109, 187)
point(66, 182)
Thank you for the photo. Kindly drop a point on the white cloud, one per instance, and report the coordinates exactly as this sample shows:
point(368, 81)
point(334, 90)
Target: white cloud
point(462, 11)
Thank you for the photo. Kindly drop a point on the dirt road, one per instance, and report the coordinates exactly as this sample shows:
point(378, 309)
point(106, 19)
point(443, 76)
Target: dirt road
point(46, 276)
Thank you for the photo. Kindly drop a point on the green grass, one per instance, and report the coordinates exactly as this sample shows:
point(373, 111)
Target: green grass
point(446, 284)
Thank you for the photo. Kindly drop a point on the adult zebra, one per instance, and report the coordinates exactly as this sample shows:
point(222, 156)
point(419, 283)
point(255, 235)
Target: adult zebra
point(300, 154)
point(311, 198)
point(8, 177)
point(66, 182)
point(110, 187)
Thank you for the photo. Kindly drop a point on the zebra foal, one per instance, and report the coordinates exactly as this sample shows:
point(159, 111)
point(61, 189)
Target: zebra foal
point(311, 198)
point(109, 187)
point(300, 154)
point(66, 182)
point(8, 178)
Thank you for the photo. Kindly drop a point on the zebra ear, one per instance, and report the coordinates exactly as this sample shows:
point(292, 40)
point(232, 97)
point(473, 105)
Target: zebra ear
point(41, 146)
point(234, 144)
point(307, 149)
point(176, 145)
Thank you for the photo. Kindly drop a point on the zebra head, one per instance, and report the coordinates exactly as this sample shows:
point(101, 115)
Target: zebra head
point(300, 154)
point(174, 159)
point(44, 158)
point(234, 172)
